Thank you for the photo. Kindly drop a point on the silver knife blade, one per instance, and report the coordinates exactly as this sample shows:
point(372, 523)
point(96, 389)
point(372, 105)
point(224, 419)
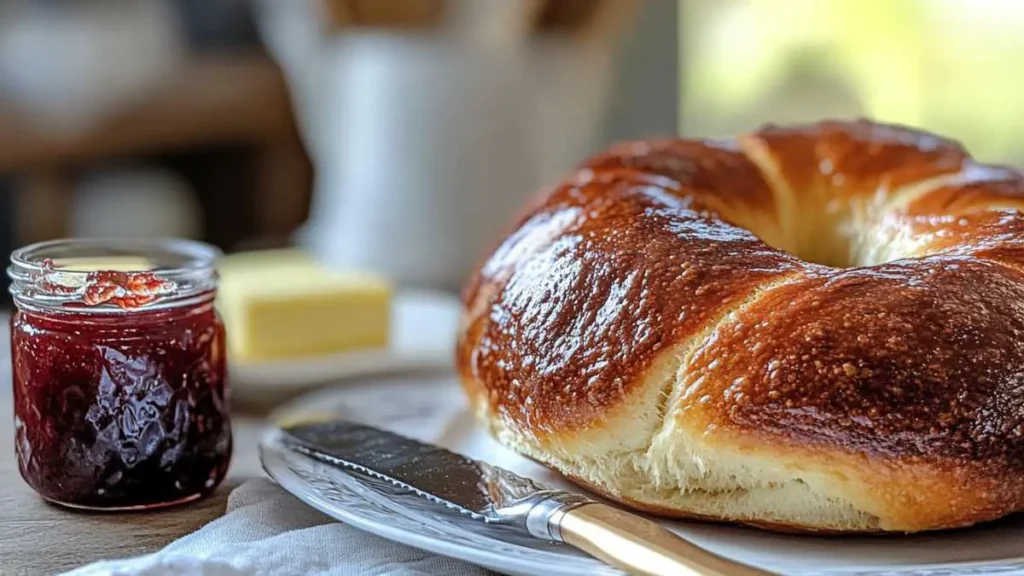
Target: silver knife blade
point(468, 486)
point(415, 475)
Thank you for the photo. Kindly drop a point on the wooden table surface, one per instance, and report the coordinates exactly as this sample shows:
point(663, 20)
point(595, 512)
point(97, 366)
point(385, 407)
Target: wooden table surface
point(38, 538)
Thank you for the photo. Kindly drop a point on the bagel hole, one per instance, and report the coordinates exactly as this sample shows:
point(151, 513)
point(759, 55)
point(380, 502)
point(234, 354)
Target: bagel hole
point(819, 239)
point(847, 237)
point(846, 245)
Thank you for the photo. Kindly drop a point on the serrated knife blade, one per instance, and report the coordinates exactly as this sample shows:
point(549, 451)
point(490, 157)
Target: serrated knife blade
point(458, 484)
point(468, 486)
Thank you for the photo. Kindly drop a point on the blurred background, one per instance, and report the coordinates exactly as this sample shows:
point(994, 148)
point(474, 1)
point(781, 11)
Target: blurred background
point(950, 66)
point(399, 136)
point(392, 135)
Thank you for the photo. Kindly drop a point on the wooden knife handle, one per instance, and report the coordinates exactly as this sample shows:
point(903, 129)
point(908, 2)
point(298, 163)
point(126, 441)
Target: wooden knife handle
point(639, 546)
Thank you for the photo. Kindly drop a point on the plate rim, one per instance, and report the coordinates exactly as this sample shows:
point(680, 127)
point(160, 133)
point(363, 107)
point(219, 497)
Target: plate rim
point(279, 471)
point(341, 366)
point(1007, 565)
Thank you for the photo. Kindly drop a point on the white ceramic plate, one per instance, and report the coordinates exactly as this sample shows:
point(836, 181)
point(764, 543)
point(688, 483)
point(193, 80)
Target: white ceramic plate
point(423, 329)
point(431, 408)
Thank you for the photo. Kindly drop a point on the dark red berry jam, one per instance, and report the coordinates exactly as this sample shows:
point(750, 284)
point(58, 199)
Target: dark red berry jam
point(120, 396)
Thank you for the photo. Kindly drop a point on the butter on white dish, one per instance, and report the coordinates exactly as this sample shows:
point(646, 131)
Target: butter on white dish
point(282, 304)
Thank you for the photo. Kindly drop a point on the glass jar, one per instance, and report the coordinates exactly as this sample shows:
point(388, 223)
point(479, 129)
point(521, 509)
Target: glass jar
point(118, 362)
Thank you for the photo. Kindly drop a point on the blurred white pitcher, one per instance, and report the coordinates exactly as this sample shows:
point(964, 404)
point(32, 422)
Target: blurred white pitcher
point(426, 145)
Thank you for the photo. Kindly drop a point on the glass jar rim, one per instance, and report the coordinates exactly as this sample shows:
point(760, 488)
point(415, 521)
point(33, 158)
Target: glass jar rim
point(183, 270)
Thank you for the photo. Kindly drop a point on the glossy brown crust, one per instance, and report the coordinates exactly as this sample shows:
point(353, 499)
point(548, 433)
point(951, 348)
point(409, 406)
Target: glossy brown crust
point(822, 170)
point(727, 180)
point(724, 180)
point(917, 364)
point(981, 187)
point(634, 270)
point(854, 159)
point(919, 358)
point(994, 235)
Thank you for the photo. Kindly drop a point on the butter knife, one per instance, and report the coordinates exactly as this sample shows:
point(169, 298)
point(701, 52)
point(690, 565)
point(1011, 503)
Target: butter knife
point(455, 483)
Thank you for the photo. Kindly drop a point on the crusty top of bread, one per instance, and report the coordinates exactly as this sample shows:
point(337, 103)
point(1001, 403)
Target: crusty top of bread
point(844, 296)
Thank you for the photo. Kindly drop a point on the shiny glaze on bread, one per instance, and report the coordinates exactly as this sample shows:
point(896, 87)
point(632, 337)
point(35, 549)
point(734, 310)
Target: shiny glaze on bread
point(809, 327)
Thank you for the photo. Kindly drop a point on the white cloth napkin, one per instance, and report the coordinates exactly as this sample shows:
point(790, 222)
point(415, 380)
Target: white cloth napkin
point(268, 531)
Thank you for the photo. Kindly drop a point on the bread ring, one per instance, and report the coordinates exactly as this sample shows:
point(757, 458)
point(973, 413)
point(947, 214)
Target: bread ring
point(813, 328)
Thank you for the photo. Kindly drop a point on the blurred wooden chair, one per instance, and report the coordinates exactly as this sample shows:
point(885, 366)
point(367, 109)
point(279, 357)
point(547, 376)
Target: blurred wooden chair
point(212, 102)
point(395, 14)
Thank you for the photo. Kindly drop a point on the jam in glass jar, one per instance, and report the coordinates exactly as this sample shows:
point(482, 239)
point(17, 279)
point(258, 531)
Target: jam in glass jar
point(118, 367)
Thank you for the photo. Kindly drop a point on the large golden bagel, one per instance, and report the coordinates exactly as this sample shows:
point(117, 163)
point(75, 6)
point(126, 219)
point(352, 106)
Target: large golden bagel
point(811, 327)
